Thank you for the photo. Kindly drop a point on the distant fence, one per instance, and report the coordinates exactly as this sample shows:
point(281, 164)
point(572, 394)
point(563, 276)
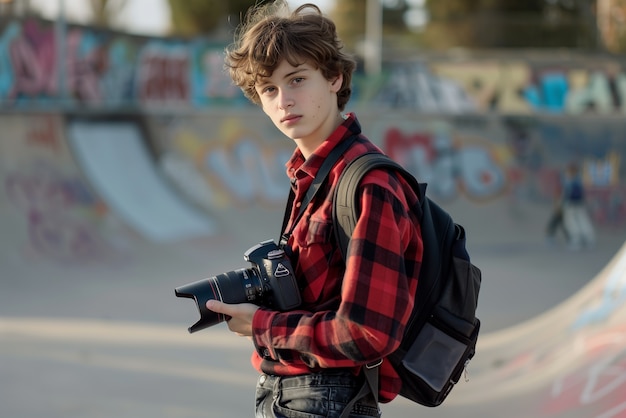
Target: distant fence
point(104, 69)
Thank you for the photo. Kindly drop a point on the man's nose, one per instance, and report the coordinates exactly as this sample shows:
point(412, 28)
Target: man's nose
point(285, 100)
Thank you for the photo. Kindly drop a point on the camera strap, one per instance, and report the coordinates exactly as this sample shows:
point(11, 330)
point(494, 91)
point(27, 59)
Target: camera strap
point(319, 179)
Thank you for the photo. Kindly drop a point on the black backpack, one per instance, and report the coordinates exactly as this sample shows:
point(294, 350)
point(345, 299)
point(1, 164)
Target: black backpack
point(441, 335)
point(440, 338)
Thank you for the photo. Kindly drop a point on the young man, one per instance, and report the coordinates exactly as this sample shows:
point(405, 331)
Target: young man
point(353, 313)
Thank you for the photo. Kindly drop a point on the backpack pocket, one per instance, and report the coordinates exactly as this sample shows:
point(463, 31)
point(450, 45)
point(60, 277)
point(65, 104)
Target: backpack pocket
point(436, 359)
point(447, 340)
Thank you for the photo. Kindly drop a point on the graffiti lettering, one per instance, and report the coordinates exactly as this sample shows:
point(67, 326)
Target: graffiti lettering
point(603, 380)
point(513, 87)
point(246, 175)
point(447, 169)
point(163, 74)
point(415, 87)
point(47, 201)
point(107, 68)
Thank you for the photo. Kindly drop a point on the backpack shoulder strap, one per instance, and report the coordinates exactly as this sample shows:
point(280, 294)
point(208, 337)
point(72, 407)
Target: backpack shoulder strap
point(346, 202)
point(345, 214)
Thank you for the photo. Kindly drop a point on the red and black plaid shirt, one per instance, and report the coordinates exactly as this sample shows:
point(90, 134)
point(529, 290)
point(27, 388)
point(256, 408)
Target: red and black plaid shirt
point(355, 312)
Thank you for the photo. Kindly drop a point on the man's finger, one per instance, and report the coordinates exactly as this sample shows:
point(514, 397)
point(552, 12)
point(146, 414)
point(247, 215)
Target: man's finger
point(217, 306)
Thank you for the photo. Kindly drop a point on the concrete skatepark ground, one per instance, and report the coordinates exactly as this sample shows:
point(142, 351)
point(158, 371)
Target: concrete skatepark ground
point(105, 337)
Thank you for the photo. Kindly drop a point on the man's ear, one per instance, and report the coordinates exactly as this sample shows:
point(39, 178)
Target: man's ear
point(336, 83)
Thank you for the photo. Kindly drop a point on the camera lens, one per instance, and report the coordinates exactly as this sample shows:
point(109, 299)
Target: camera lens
point(238, 286)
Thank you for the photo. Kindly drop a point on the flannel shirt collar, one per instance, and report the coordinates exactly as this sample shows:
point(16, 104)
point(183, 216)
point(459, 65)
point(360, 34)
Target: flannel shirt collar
point(310, 167)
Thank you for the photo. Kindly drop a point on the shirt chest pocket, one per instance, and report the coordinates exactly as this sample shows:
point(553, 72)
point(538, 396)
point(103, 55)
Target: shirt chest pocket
point(316, 246)
point(315, 232)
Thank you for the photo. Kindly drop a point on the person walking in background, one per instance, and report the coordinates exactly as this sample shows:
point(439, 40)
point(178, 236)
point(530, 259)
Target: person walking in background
point(575, 216)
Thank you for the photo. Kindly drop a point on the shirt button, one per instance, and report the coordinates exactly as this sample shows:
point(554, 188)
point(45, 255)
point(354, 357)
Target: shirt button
point(266, 352)
point(262, 379)
point(298, 204)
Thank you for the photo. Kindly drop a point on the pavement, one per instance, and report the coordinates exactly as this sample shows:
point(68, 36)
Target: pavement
point(90, 326)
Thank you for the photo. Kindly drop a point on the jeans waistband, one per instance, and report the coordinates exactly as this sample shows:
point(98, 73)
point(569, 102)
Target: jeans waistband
point(366, 406)
point(335, 377)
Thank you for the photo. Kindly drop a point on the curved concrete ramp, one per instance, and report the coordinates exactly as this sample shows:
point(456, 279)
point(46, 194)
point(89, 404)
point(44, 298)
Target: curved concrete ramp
point(116, 161)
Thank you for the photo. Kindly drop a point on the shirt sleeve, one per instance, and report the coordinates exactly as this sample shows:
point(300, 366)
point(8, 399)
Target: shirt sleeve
point(376, 294)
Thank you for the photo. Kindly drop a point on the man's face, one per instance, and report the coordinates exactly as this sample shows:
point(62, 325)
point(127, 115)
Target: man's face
point(301, 102)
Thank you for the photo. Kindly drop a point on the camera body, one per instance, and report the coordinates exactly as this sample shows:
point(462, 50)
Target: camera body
point(274, 267)
point(270, 282)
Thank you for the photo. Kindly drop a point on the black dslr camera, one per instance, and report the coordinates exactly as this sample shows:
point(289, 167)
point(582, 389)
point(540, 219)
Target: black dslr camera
point(270, 283)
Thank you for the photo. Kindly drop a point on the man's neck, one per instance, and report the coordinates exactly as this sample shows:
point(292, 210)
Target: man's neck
point(307, 146)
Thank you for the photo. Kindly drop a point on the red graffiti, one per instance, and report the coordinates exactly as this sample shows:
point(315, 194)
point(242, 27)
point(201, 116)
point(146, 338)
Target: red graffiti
point(33, 60)
point(397, 144)
point(164, 78)
point(599, 385)
point(44, 134)
point(84, 71)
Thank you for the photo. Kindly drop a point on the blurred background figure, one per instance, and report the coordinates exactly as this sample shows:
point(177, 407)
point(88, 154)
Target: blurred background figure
point(574, 211)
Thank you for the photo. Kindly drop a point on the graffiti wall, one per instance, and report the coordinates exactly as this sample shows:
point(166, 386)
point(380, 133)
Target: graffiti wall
point(48, 208)
point(108, 69)
point(112, 69)
point(223, 160)
point(515, 86)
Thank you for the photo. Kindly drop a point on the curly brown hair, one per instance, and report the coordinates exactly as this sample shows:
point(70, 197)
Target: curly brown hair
point(270, 33)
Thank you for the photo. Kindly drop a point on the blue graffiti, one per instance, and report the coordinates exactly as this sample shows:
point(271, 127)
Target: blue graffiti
point(7, 79)
point(248, 174)
point(118, 81)
point(550, 93)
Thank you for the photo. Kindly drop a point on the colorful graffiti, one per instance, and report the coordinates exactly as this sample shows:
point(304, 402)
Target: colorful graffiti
point(234, 164)
point(497, 85)
point(104, 68)
point(598, 387)
point(447, 167)
point(60, 211)
point(224, 161)
point(107, 69)
point(47, 200)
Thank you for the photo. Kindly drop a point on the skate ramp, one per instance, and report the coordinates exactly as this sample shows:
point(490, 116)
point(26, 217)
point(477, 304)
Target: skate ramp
point(114, 157)
point(90, 327)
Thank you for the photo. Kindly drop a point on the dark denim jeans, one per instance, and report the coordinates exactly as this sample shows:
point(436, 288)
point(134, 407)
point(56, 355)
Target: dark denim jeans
point(318, 395)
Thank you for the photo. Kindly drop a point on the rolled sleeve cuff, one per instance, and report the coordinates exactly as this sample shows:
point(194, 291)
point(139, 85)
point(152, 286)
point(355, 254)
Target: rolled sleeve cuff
point(262, 334)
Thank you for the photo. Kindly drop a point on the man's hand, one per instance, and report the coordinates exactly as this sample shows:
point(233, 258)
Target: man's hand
point(241, 315)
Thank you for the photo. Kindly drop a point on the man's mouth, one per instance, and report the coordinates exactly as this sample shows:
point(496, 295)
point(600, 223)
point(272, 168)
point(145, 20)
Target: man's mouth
point(289, 118)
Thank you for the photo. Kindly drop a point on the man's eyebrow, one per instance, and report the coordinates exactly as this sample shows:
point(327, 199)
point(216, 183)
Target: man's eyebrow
point(296, 71)
point(265, 80)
